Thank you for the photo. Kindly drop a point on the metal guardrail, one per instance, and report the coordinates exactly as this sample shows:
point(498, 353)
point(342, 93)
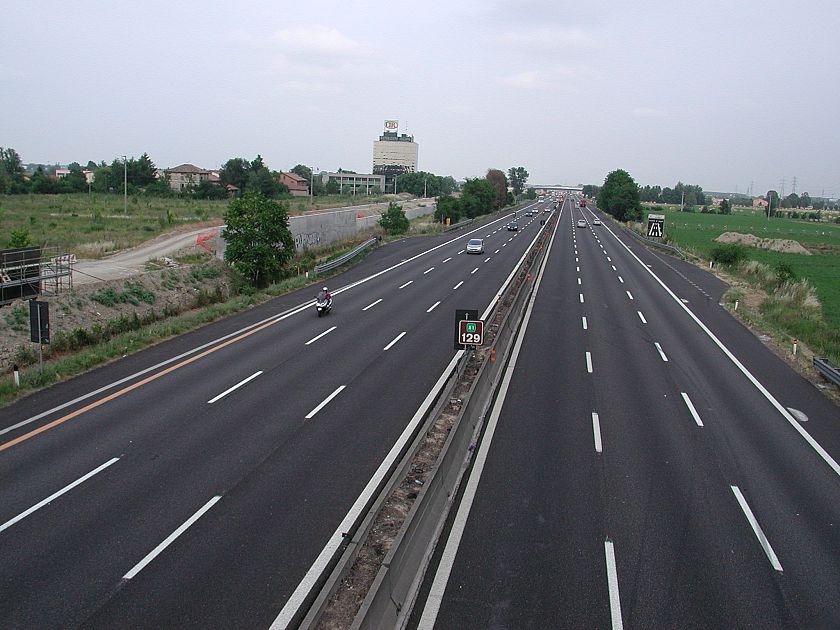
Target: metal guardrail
point(392, 595)
point(825, 368)
point(345, 257)
point(460, 224)
point(647, 241)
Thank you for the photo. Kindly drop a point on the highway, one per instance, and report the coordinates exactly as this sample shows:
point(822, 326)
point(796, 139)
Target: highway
point(202, 483)
point(642, 467)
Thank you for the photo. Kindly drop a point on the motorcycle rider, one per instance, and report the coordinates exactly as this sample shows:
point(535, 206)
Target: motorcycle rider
point(325, 296)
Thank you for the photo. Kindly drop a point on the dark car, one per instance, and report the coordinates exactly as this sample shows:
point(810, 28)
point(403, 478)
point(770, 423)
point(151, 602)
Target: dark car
point(513, 227)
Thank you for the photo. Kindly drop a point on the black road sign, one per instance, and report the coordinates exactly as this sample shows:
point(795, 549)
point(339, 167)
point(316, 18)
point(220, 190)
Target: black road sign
point(461, 315)
point(656, 225)
point(39, 321)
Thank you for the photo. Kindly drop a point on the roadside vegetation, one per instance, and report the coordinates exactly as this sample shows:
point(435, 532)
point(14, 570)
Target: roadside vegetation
point(800, 293)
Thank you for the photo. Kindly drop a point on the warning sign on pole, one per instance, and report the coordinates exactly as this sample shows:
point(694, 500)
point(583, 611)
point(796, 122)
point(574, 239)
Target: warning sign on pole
point(656, 225)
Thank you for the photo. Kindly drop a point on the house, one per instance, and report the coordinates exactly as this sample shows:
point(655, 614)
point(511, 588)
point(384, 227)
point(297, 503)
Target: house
point(296, 184)
point(186, 175)
point(758, 202)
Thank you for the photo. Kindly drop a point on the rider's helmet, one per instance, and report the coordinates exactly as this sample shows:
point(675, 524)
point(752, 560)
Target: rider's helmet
point(326, 290)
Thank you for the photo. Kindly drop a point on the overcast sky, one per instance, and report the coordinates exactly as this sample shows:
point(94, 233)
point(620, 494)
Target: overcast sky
point(719, 94)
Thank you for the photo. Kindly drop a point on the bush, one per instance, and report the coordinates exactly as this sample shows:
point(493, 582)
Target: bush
point(784, 273)
point(730, 254)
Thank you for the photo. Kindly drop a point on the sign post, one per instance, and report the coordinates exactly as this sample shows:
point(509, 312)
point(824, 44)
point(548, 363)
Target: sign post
point(656, 225)
point(39, 327)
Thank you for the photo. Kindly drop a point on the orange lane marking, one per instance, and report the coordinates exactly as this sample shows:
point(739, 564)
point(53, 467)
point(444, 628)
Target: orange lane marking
point(131, 387)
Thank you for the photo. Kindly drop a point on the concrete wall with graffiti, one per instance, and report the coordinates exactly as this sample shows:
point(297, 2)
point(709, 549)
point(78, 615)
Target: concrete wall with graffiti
point(322, 228)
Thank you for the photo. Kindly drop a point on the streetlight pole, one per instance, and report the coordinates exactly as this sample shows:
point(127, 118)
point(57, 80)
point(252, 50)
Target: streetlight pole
point(125, 184)
point(424, 187)
point(312, 185)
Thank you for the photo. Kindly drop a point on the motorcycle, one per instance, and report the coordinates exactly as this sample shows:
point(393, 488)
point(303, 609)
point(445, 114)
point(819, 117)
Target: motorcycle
point(322, 304)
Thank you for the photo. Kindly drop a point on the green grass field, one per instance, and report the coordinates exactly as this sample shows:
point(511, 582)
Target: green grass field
point(93, 225)
point(696, 232)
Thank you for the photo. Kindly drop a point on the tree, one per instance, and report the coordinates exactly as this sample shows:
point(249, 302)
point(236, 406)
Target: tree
point(725, 207)
point(208, 190)
point(619, 196)
point(591, 191)
point(142, 171)
point(518, 176)
point(264, 181)
point(791, 201)
point(259, 242)
point(499, 181)
point(235, 171)
point(772, 202)
point(19, 238)
point(805, 201)
point(11, 172)
point(393, 220)
point(74, 181)
point(447, 207)
point(530, 194)
point(332, 187)
point(477, 197)
point(40, 183)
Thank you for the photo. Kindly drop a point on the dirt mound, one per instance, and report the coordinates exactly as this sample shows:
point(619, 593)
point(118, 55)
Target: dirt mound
point(774, 244)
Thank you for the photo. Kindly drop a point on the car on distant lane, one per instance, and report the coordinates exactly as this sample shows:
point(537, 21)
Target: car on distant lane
point(513, 227)
point(596, 222)
point(581, 223)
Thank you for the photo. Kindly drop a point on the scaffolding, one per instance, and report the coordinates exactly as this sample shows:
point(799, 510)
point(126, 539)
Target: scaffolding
point(28, 272)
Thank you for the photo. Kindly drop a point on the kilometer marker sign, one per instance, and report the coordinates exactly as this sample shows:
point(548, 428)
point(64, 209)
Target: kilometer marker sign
point(469, 330)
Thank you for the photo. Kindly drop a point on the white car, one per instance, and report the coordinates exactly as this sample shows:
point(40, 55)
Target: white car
point(475, 246)
point(596, 222)
point(581, 223)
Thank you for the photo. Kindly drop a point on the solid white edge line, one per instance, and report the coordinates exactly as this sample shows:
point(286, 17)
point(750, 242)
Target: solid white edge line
point(596, 430)
point(325, 402)
point(691, 408)
point(642, 317)
point(759, 533)
point(661, 352)
point(55, 495)
point(458, 285)
point(828, 459)
point(585, 323)
point(588, 362)
point(612, 582)
point(169, 539)
point(235, 387)
point(396, 339)
point(406, 284)
point(308, 582)
point(372, 304)
point(433, 307)
point(447, 560)
point(326, 332)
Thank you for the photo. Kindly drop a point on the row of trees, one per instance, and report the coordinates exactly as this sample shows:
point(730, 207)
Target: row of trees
point(478, 196)
point(686, 194)
point(423, 184)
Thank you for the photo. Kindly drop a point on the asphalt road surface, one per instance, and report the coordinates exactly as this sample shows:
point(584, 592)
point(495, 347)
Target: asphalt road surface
point(642, 467)
point(195, 484)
